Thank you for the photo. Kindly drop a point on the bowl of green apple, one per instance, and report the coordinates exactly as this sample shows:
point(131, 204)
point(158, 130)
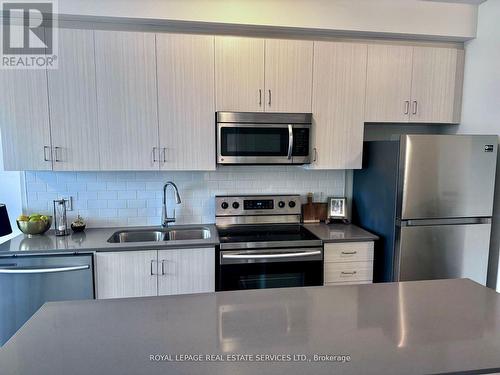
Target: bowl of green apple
point(34, 224)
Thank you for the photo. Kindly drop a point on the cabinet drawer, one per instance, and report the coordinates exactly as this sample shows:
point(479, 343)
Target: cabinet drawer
point(349, 252)
point(349, 271)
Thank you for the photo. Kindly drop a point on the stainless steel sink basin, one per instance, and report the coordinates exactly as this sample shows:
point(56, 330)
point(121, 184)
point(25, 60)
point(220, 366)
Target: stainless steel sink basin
point(153, 235)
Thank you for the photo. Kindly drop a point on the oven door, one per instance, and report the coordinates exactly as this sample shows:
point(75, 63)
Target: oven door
point(270, 268)
point(262, 143)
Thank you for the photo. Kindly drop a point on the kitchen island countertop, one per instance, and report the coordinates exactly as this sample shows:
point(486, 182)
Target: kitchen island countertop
point(423, 327)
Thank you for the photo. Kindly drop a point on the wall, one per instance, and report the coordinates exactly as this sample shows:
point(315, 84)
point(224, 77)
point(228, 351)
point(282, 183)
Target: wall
point(10, 195)
point(481, 109)
point(134, 198)
point(399, 17)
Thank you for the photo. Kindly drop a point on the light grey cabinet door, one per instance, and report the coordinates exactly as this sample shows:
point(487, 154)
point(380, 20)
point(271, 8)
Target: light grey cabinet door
point(388, 84)
point(187, 101)
point(239, 74)
point(72, 102)
point(338, 105)
point(436, 90)
point(126, 274)
point(127, 100)
point(288, 75)
point(24, 120)
point(186, 271)
point(444, 252)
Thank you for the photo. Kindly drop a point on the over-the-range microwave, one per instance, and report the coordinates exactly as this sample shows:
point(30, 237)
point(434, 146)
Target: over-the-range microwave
point(263, 138)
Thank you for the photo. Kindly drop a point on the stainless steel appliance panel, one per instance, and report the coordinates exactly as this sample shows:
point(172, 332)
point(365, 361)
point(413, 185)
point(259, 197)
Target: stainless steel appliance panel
point(447, 176)
point(443, 252)
point(26, 283)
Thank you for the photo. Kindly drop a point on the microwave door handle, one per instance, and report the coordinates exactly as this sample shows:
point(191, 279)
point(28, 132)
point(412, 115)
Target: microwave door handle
point(290, 141)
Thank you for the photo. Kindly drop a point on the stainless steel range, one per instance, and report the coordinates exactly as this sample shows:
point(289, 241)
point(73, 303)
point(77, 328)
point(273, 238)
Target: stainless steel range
point(263, 244)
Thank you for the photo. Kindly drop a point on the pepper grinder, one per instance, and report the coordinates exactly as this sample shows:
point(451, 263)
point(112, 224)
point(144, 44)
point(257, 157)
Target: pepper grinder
point(60, 219)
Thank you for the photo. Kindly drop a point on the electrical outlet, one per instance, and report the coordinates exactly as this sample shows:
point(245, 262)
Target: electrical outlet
point(69, 203)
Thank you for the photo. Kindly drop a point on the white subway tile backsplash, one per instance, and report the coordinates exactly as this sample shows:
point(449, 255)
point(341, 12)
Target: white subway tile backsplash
point(117, 203)
point(107, 195)
point(127, 194)
point(136, 203)
point(135, 198)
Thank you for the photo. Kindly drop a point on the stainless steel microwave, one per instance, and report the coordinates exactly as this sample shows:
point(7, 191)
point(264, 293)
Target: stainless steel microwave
point(263, 138)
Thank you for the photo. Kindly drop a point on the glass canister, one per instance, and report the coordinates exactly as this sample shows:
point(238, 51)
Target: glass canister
point(60, 219)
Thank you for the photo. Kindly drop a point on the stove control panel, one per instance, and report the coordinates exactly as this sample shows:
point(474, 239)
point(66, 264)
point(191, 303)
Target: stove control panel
point(228, 205)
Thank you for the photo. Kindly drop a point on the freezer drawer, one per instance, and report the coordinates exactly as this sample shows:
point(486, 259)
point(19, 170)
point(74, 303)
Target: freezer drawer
point(26, 283)
point(443, 252)
point(447, 176)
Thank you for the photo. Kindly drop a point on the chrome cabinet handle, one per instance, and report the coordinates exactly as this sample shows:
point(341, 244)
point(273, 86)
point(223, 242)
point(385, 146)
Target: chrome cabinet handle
point(28, 270)
point(152, 267)
point(415, 107)
point(290, 141)
point(269, 98)
point(163, 273)
point(315, 154)
point(348, 273)
point(349, 252)
point(45, 153)
point(154, 155)
point(260, 97)
point(56, 153)
point(164, 151)
point(407, 107)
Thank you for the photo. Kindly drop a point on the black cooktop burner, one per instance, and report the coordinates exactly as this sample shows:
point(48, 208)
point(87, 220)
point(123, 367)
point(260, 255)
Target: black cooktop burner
point(265, 233)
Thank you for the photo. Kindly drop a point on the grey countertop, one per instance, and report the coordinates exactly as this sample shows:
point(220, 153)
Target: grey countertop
point(95, 239)
point(340, 232)
point(424, 327)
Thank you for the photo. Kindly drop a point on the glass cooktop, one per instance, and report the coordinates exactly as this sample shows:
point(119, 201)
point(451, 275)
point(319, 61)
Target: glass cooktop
point(265, 233)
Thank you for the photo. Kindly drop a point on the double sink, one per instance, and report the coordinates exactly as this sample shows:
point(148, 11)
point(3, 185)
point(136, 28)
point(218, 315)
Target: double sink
point(160, 235)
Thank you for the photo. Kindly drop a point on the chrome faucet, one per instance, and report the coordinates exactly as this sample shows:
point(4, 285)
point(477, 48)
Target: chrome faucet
point(164, 218)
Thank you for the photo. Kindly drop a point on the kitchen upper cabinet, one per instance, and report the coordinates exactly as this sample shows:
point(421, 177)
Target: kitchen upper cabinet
point(186, 271)
point(127, 100)
point(239, 74)
point(414, 84)
point(24, 120)
point(288, 75)
point(186, 101)
point(72, 103)
point(126, 274)
point(338, 104)
point(436, 90)
point(388, 83)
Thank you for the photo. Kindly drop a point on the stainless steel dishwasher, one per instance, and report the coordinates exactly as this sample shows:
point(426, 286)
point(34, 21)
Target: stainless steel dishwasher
point(27, 282)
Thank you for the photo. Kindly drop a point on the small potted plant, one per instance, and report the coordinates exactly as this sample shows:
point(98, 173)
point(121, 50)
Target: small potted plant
point(78, 225)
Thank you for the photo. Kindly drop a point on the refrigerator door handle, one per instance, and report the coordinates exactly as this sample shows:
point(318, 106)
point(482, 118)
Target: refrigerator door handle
point(456, 221)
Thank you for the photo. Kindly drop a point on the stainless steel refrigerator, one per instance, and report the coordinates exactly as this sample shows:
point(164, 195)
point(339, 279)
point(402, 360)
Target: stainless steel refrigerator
point(430, 199)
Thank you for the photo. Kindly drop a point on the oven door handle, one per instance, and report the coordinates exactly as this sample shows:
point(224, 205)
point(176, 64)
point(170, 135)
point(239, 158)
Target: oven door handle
point(271, 255)
point(290, 141)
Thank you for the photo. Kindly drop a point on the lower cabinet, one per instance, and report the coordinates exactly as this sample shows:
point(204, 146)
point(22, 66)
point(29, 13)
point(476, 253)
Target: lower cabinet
point(151, 273)
point(348, 263)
